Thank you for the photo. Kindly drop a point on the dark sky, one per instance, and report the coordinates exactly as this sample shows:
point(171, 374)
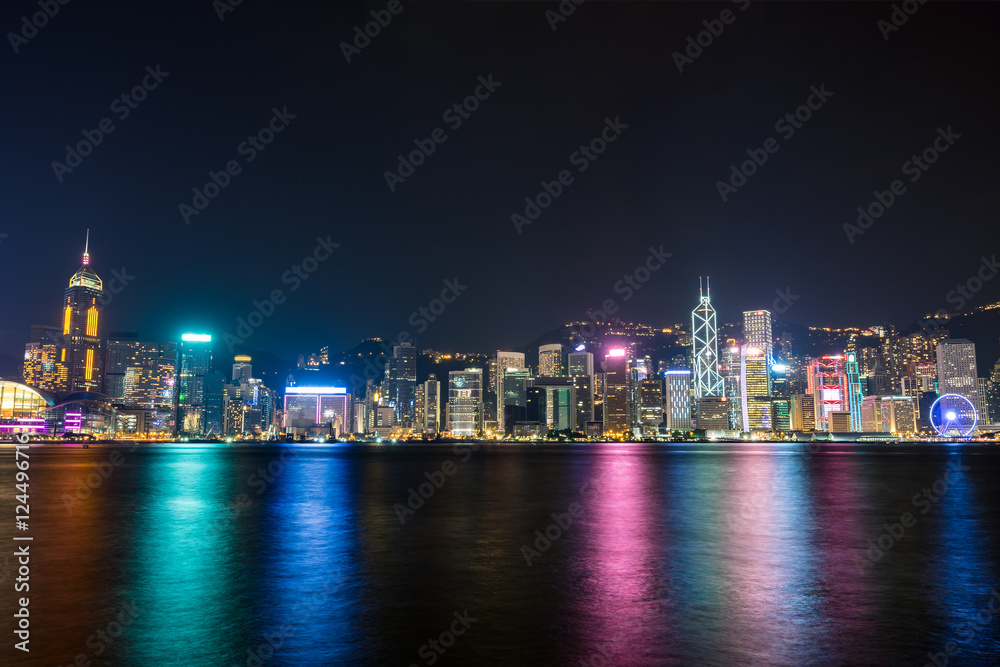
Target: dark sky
point(655, 185)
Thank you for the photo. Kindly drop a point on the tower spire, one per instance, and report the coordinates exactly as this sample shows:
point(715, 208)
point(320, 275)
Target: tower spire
point(86, 250)
point(701, 291)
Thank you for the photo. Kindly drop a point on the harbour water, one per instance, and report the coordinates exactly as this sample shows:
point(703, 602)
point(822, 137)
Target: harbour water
point(587, 554)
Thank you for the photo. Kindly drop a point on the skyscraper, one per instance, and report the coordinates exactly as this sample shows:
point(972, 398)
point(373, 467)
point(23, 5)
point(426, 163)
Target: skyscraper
point(650, 395)
point(678, 400)
point(401, 382)
point(617, 415)
point(581, 369)
point(704, 348)
point(194, 363)
point(550, 360)
point(465, 402)
point(956, 370)
point(757, 331)
point(756, 390)
point(242, 367)
point(505, 359)
point(828, 383)
point(82, 308)
point(432, 405)
point(512, 399)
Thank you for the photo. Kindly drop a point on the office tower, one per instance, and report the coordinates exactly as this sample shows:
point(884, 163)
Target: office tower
point(827, 382)
point(677, 400)
point(419, 399)
point(581, 363)
point(617, 413)
point(889, 414)
point(82, 308)
point(213, 419)
point(730, 368)
point(712, 413)
point(43, 368)
point(599, 395)
point(986, 415)
point(756, 394)
point(839, 421)
point(878, 381)
point(505, 359)
point(956, 371)
point(317, 409)
point(432, 405)
point(560, 402)
point(242, 367)
point(122, 348)
point(581, 369)
point(803, 412)
point(511, 401)
point(465, 402)
point(400, 383)
point(704, 348)
point(650, 397)
point(781, 414)
point(194, 363)
point(535, 408)
point(757, 331)
point(550, 360)
point(854, 393)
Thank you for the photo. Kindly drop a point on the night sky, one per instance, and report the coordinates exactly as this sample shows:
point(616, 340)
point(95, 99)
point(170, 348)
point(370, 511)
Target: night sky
point(655, 185)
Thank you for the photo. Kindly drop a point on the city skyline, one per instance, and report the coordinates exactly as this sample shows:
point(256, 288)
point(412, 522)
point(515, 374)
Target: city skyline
point(328, 134)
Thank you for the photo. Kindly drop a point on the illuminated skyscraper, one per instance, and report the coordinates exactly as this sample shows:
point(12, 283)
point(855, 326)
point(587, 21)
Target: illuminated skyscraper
point(82, 308)
point(194, 363)
point(704, 348)
point(757, 331)
point(956, 370)
point(432, 405)
point(465, 402)
point(827, 382)
point(650, 395)
point(550, 360)
point(504, 361)
point(756, 390)
point(854, 393)
point(242, 367)
point(617, 415)
point(401, 382)
point(581, 368)
point(678, 400)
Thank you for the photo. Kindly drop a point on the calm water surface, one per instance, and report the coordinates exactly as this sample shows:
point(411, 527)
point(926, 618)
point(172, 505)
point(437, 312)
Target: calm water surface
point(726, 554)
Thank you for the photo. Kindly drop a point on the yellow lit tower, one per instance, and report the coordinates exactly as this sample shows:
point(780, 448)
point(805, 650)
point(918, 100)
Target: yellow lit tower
point(82, 307)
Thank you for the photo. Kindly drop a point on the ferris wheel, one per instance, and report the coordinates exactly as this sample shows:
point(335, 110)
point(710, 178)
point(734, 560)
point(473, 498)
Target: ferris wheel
point(953, 415)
